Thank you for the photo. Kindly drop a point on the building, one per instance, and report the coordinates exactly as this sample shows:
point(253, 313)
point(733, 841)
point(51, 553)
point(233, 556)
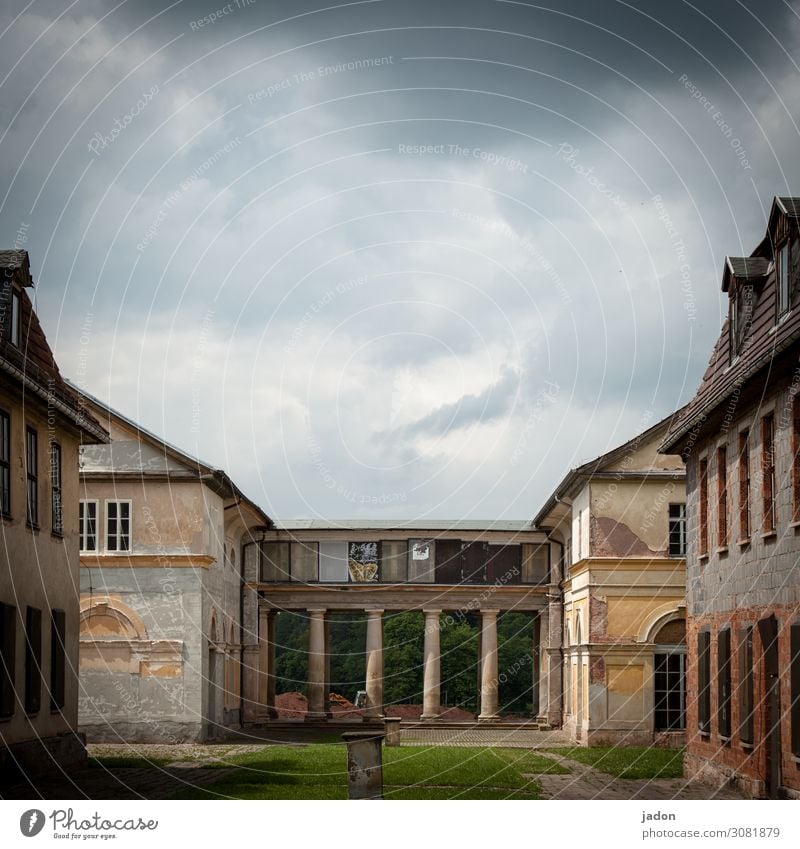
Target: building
point(318, 569)
point(620, 523)
point(42, 427)
point(740, 436)
point(161, 637)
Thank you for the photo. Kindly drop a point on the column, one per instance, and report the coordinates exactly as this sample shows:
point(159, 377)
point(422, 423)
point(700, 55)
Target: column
point(328, 712)
point(536, 660)
point(374, 709)
point(550, 680)
point(431, 705)
point(316, 665)
point(265, 708)
point(488, 664)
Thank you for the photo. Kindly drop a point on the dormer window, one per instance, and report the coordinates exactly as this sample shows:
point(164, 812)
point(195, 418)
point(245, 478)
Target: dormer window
point(787, 273)
point(9, 313)
point(741, 317)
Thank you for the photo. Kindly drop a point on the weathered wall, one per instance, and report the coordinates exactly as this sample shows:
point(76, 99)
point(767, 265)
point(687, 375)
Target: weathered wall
point(38, 568)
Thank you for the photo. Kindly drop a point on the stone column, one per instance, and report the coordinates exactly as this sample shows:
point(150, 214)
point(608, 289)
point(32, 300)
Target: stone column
point(266, 663)
point(374, 709)
point(328, 712)
point(316, 665)
point(488, 664)
point(550, 679)
point(431, 704)
point(536, 660)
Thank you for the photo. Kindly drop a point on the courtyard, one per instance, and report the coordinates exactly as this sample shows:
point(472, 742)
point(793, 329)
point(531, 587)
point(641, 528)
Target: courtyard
point(434, 764)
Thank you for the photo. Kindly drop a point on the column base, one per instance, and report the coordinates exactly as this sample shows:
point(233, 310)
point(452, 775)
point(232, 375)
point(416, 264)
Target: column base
point(427, 717)
point(487, 717)
point(316, 716)
point(373, 717)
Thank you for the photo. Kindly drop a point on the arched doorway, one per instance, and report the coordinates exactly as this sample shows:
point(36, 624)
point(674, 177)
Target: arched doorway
point(669, 676)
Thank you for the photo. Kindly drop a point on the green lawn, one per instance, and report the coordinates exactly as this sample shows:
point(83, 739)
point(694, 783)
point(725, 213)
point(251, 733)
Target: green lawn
point(630, 761)
point(410, 772)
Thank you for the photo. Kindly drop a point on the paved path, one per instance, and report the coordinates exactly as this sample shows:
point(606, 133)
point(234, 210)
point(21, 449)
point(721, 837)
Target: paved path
point(586, 782)
point(513, 738)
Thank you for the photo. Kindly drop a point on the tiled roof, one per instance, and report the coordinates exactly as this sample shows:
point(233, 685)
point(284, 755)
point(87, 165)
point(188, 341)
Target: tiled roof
point(765, 339)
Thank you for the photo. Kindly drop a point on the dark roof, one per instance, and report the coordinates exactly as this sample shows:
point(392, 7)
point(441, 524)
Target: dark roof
point(764, 341)
point(17, 261)
point(33, 365)
point(403, 525)
point(744, 268)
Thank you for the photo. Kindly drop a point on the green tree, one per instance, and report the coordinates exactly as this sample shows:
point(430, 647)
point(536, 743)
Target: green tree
point(403, 637)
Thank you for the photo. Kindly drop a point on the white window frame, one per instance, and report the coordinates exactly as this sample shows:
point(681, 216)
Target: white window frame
point(682, 527)
point(783, 278)
point(116, 549)
point(82, 525)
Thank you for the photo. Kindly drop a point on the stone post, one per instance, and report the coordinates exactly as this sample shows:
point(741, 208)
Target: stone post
point(431, 704)
point(391, 726)
point(488, 664)
point(374, 709)
point(316, 665)
point(266, 664)
point(364, 764)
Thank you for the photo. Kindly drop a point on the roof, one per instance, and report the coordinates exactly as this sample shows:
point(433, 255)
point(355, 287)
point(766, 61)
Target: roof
point(402, 525)
point(33, 365)
point(744, 268)
point(576, 478)
point(17, 261)
point(216, 479)
point(764, 341)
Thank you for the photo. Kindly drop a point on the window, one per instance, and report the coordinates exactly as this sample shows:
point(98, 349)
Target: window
point(5, 463)
point(579, 539)
point(704, 682)
point(746, 692)
point(722, 497)
point(118, 526)
point(744, 485)
point(741, 317)
point(783, 278)
point(670, 691)
point(362, 562)
point(58, 658)
point(8, 654)
point(703, 530)
point(57, 518)
point(32, 467)
point(724, 682)
point(796, 459)
point(9, 312)
point(87, 525)
point(794, 709)
point(677, 530)
point(33, 660)
point(768, 473)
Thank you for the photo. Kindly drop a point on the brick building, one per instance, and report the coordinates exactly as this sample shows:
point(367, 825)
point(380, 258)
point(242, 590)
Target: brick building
point(42, 427)
point(740, 436)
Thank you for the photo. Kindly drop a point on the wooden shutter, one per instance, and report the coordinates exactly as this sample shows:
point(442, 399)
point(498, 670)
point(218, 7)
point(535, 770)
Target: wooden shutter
point(724, 682)
point(33, 660)
point(8, 654)
point(795, 687)
point(746, 685)
point(704, 682)
point(58, 658)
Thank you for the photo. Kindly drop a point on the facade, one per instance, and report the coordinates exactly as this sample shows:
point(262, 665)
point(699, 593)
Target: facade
point(740, 436)
point(42, 426)
point(619, 522)
point(161, 538)
point(318, 569)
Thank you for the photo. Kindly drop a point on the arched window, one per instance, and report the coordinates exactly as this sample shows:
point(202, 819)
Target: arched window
point(669, 676)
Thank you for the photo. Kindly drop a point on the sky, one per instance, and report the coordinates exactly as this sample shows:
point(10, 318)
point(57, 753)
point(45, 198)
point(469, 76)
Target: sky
point(392, 259)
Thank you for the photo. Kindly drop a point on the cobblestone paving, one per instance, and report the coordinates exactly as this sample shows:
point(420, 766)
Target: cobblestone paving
point(586, 782)
point(513, 738)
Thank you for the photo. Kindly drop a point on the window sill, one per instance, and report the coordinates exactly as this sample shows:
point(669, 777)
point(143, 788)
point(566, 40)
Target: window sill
point(57, 534)
point(726, 741)
point(723, 549)
point(769, 534)
point(702, 556)
point(748, 747)
point(795, 524)
point(32, 526)
point(743, 542)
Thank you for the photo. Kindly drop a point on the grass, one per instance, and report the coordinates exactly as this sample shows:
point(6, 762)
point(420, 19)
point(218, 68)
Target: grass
point(409, 772)
point(113, 762)
point(630, 761)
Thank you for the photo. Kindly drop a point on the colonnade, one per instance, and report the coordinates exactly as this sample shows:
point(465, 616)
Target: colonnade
point(262, 695)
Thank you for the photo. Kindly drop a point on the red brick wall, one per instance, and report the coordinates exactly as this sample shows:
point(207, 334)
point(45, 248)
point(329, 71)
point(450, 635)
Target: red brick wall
point(732, 757)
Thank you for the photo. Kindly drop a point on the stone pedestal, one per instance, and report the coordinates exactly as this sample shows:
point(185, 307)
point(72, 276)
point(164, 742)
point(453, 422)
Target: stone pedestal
point(316, 666)
point(431, 704)
point(374, 709)
point(364, 764)
point(391, 726)
point(488, 665)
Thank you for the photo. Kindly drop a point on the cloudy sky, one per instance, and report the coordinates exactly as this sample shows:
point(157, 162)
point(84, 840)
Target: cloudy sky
point(392, 258)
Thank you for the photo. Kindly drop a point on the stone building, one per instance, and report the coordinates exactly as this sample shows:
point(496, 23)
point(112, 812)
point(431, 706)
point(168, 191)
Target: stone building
point(161, 537)
point(619, 522)
point(42, 426)
point(740, 436)
point(317, 569)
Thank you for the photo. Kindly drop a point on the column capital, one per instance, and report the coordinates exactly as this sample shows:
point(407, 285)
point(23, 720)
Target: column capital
point(374, 611)
point(430, 612)
point(316, 610)
point(489, 611)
